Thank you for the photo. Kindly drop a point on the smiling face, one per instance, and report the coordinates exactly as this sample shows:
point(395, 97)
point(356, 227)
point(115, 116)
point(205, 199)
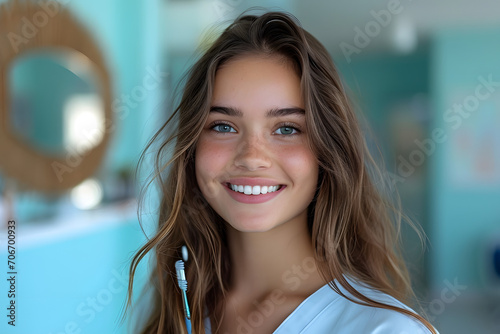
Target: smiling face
point(253, 162)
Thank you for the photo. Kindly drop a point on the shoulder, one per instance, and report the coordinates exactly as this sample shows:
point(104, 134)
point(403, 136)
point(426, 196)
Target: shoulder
point(356, 318)
point(366, 319)
point(327, 312)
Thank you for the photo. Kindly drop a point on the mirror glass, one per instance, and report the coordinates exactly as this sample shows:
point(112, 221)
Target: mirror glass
point(55, 101)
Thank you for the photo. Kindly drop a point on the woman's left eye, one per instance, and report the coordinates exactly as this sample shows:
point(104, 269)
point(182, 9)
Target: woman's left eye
point(287, 130)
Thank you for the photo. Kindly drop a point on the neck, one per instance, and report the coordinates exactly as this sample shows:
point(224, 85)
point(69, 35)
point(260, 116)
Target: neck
point(281, 258)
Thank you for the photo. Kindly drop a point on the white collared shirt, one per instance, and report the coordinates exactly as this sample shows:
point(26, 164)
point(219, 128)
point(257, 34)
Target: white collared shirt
point(325, 311)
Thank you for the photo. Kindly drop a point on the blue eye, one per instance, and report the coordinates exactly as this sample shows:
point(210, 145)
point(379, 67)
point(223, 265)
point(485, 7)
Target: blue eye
point(287, 130)
point(223, 128)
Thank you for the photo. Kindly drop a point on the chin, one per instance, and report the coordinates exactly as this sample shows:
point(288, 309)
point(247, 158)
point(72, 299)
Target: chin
point(251, 226)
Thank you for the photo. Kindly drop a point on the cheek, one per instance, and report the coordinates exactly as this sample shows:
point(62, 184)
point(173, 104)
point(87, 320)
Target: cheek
point(210, 160)
point(300, 162)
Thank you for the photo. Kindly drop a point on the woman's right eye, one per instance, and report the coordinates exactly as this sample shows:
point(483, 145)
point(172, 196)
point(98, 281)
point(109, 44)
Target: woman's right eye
point(223, 128)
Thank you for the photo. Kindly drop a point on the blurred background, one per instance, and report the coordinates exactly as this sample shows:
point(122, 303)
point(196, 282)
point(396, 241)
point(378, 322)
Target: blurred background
point(76, 114)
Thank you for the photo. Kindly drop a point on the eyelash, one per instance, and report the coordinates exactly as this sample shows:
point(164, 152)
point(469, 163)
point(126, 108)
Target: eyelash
point(281, 125)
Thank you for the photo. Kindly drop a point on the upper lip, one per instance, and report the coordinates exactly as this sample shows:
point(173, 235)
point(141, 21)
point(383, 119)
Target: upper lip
point(253, 181)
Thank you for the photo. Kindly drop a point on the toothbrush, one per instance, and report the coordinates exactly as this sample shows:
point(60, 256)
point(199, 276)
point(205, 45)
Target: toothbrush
point(182, 282)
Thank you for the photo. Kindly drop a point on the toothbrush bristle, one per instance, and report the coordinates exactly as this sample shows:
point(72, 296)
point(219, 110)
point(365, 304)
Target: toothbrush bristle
point(185, 254)
point(181, 275)
point(179, 265)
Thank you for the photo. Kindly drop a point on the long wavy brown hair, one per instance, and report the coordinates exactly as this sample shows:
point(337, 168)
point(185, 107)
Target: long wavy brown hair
point(354, 225)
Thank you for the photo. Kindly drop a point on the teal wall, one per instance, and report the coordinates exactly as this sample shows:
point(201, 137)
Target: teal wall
point(459, 205)
point(377, 83)
point(73, 284)
point(465, 209)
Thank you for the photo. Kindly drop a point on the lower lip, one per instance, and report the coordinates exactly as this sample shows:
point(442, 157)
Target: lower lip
point(252, 199)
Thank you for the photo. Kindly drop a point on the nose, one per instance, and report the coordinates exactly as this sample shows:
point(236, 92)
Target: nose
point(252, 154)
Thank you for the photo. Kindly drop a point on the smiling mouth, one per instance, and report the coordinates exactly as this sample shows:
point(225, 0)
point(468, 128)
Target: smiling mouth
point(254, 190)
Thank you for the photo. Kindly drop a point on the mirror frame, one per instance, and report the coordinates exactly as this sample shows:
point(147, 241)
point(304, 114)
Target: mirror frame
point(27, 27)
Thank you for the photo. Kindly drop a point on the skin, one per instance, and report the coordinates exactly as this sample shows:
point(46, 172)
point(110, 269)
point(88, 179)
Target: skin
point(269, 242)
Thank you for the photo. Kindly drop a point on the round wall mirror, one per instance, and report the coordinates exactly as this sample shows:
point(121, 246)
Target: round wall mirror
point(55, 98)
point(55, 106)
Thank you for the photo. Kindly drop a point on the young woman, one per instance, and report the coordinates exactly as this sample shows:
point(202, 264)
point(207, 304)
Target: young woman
point(269, 188)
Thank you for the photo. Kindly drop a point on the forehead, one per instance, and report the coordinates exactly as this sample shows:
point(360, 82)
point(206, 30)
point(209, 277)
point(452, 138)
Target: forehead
point(257, 81)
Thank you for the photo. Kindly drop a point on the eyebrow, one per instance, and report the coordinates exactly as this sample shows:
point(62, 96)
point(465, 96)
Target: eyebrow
point(275, 112)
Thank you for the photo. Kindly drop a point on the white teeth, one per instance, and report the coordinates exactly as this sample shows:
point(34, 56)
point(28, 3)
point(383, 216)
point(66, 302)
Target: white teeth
point(253, 190)
point(248, 190)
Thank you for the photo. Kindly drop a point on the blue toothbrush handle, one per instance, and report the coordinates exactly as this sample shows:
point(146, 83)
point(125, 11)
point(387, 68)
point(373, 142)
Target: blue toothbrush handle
point(187, 312)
